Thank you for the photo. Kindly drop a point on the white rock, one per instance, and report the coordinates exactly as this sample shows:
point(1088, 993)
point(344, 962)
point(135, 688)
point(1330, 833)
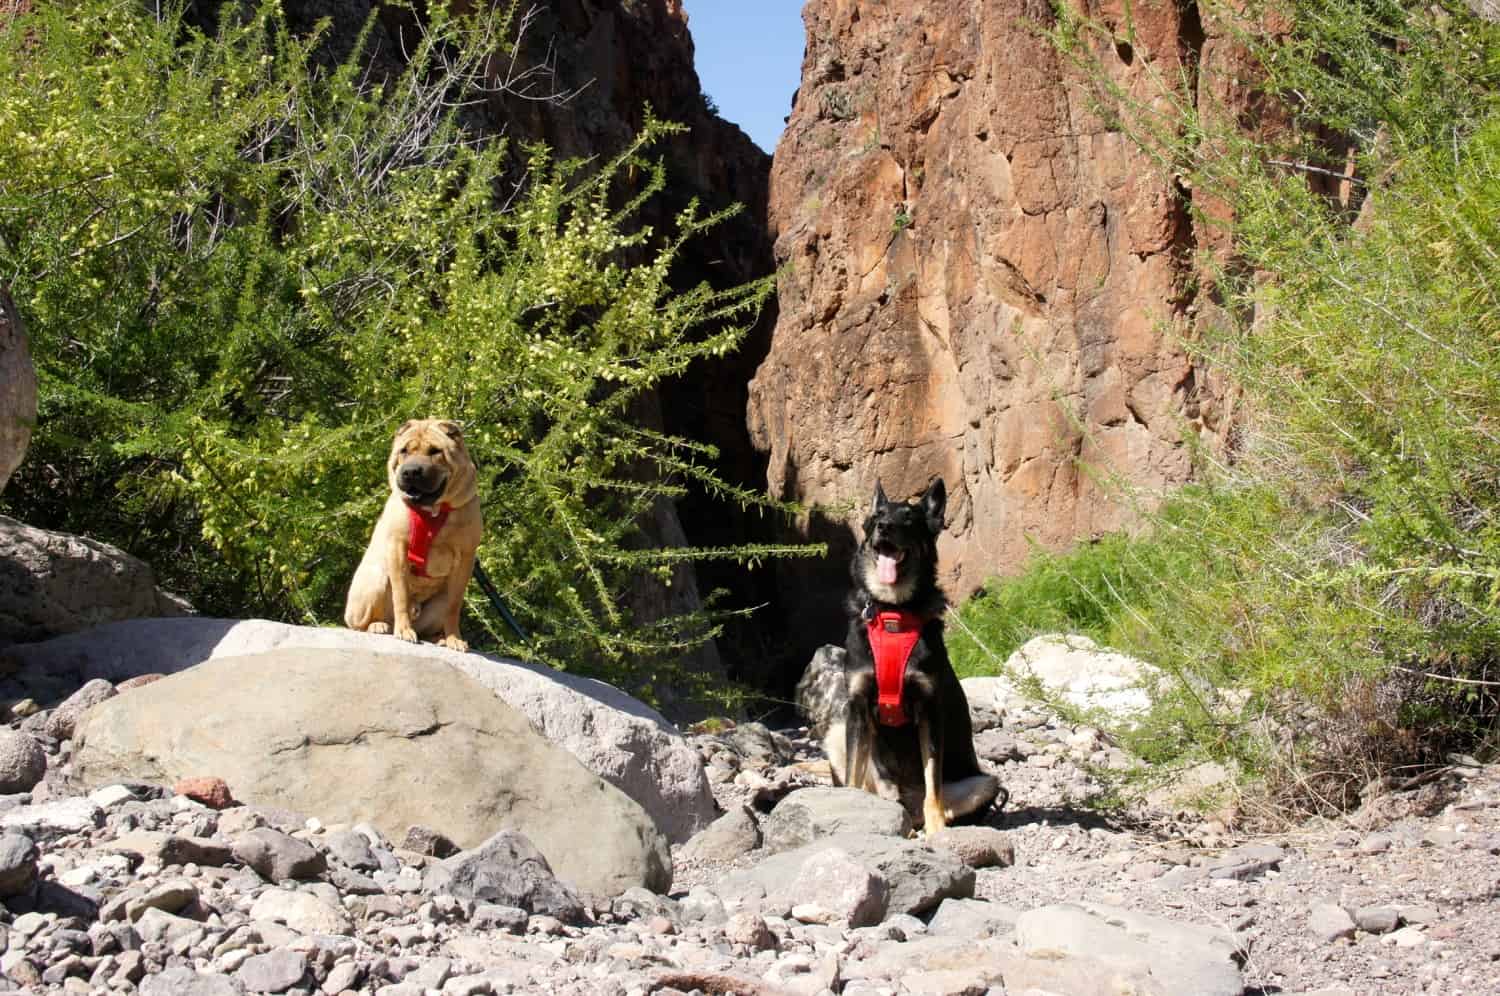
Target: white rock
point(110, 796)
point(301, 911)
point(1075, 668)
point(50, 819)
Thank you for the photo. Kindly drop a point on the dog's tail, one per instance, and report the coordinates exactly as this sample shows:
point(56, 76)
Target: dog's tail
point(822, 694)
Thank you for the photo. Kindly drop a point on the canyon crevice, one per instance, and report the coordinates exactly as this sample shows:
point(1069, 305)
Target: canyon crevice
point(980, 279)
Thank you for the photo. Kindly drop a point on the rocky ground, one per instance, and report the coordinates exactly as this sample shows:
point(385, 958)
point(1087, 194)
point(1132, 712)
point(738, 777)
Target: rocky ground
point(143, 889)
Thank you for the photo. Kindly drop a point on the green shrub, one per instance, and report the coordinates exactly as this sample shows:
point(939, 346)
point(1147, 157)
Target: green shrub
point(242, 269)
point(1341, 564)
point(1085, 591)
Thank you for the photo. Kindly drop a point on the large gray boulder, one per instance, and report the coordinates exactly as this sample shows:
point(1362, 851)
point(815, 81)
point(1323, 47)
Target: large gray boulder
point(17, 390)
point(619, 738)
point(54, 583)
point(395, 741)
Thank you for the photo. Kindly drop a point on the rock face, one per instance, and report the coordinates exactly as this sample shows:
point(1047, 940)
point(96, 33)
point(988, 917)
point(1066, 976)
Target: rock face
point(981, 280)
point(619, 738)
point(394, 741)
point(53, 583)
point(17, 390)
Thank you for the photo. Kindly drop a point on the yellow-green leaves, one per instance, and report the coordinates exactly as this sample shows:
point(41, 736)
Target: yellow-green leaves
point(243, 267)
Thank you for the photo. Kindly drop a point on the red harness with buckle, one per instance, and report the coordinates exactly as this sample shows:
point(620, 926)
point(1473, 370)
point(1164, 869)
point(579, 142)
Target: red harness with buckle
point(893, 634)
point(419, 539)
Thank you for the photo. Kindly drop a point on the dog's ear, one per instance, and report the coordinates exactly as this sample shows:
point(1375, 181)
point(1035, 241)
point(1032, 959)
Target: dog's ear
point(881, 501)
point(934, 503)
point(404, 426)
point(453, 430)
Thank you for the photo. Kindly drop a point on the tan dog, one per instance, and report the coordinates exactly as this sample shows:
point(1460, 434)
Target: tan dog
point(414, 572)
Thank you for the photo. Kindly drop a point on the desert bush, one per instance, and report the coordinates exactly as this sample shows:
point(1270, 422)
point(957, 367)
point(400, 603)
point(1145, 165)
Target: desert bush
point(1341, 562)
point(243, 266)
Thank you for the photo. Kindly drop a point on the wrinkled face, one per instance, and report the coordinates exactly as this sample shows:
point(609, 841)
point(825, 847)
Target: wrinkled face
point(425, 455)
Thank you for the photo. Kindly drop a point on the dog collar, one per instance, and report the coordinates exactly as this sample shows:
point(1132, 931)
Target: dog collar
point(893, 635)
point(419, 538)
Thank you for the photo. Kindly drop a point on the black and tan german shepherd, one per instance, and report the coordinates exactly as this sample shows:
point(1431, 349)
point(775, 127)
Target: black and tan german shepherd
point(899, 727)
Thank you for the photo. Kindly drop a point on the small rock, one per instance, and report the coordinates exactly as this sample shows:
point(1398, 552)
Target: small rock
point(492, 916)
point(20, 969)
point(1329, 923)
point(212, 792)
point(50, 820)
point(701, 906)
point(18, 856)
point(812, 813)
point(424, 840)
point(351, 849)
point(1419, 914)
point(757, 742)
point(977, 847)
point(833, 881)
point(156, 925)
point(638, 903)
point(430, 974)
point(1245, 863)
point(509, 870)
point(344, 975)
point(183, 981)
point(273, 972)
point(726, 838)
point(1376, 919)
point(301, 911)
point(749, 930)
point(277, 857)
point(1406, 937)
point(64, 719)
point(169, 897)
point(23, 762)
point(997, 747)
point(111, 796)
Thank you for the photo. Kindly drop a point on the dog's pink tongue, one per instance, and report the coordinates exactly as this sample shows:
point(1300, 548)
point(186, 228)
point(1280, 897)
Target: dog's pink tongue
point(885, 568)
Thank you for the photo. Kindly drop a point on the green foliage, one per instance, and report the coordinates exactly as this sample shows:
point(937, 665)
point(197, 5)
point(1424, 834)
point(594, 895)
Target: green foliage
point(242, 269)
point(1343, 568)
point(1085, 591)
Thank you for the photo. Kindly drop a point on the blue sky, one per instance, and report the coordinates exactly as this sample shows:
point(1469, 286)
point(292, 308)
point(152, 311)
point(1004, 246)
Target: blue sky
point(749, 60)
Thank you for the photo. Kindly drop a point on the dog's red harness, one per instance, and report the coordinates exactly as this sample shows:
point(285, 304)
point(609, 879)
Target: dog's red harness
point(419, 540)
point(893, 635)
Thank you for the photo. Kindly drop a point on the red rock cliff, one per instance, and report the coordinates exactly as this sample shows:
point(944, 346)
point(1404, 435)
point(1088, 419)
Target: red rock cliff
point(981, 279)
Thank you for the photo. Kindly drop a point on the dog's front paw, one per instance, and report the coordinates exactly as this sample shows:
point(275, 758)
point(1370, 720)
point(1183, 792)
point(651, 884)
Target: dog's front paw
point(933, 818)
point(378, 628)
point(405, 632)
point(454, 642)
